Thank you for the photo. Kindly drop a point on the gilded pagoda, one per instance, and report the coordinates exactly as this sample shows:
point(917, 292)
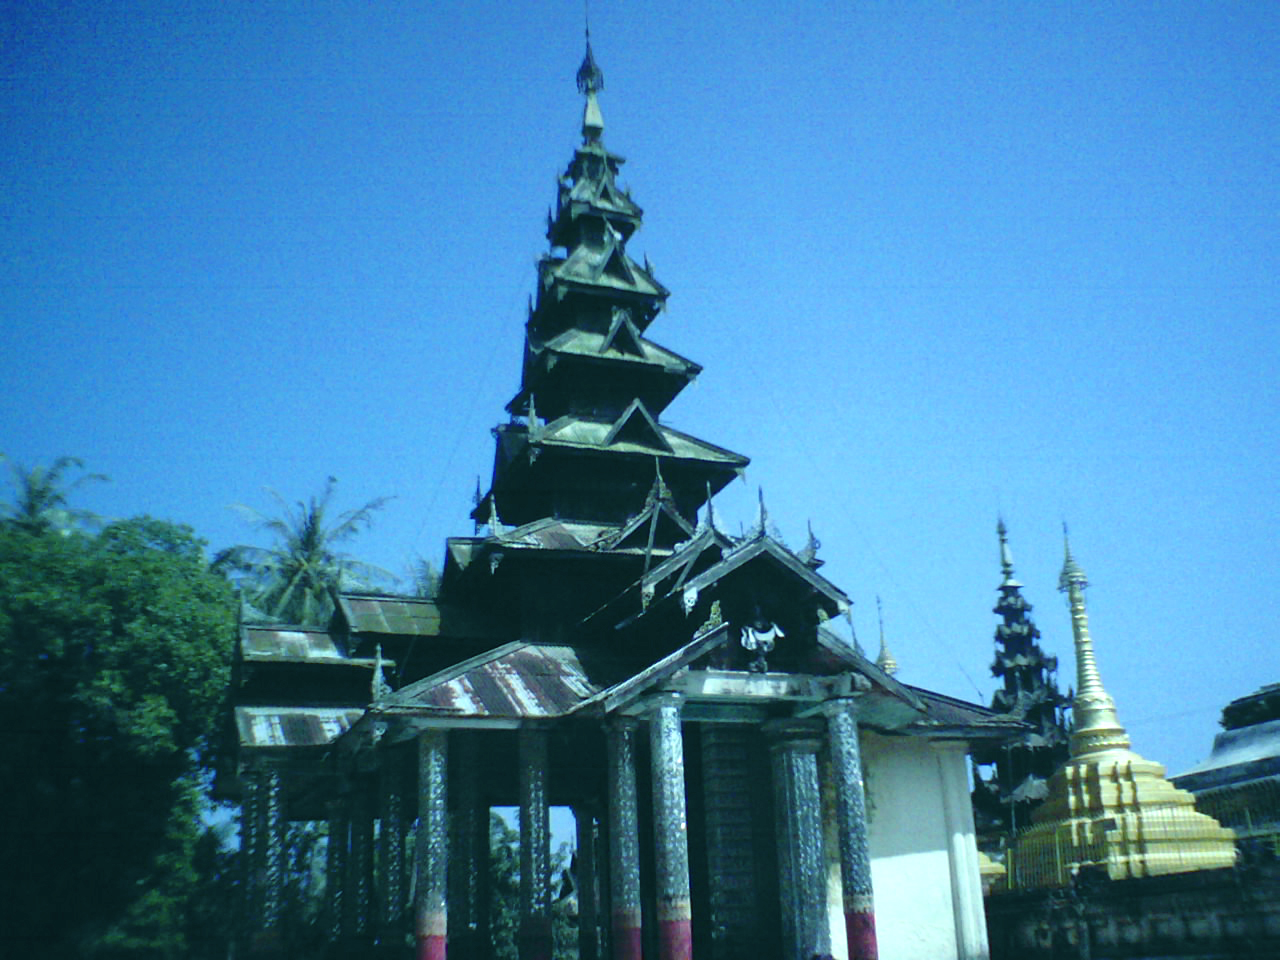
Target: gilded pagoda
point(1110, 811)
point(744, 782)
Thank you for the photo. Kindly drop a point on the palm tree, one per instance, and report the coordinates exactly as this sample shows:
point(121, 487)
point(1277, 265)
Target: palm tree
point(294, 580)
point(41, 501)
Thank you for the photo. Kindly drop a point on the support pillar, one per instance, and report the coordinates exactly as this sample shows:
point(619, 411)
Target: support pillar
point(263, 823)
point(391, 846)
point(671, 830)
point(335, 868)
point(360, 863)
point(798, 801)
point(252, 844)
point(587, 888)
point(274, 872)
point(535, 846)
point(851, 815)
point(468, 859)
point(624, 840)
point(432, 847)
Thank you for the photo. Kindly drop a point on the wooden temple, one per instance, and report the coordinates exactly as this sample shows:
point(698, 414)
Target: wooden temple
point(745, 783)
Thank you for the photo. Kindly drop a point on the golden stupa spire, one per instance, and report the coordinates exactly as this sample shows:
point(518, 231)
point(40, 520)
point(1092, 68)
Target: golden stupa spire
point(1096, 728)
point(1108, 808)
point(884, 659)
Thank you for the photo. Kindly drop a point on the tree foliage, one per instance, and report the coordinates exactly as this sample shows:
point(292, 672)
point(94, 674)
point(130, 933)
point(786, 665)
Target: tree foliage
point(40, 501)
point(115, 651)
point(293, 580)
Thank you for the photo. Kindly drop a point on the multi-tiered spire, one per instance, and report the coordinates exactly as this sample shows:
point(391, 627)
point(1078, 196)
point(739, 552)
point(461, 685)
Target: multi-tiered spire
point(586, 452)
point(1108, 808)
point(1029, 692)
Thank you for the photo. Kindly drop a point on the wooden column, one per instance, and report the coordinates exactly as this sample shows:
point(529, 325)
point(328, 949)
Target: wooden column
point(624, 840)
point(468, 852)
point(587, 887)
point(431, 923)
point(802, 881)
point(391, 835)
point(359, 892)
point(535, 846)
point(671, 830)
point(851, 814)
point(335, 873)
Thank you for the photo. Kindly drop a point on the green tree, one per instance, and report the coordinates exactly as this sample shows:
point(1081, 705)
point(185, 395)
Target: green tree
point(40, 501)
point(293, 580)
point(115, 652)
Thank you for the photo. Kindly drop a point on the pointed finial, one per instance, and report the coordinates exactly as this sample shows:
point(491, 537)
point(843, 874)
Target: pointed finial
point(764, 512)
point(1093, 712)
point(1006, 558)
point(711, 510)
point(809, 555)
point(495, 524)
point(660, 490)
point(378, 686)
point(590, 82)
point(1071, 571)
point(476, 499)
point(535, 428)
point(884, 659)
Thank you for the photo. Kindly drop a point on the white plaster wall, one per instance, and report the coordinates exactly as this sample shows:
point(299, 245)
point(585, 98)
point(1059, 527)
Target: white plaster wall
point(911, 850)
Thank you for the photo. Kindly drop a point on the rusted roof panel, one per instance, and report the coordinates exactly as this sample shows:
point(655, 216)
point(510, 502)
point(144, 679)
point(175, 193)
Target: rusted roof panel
point(276, 643)
point(293, 726)
point(522, 680)
point(412, 617)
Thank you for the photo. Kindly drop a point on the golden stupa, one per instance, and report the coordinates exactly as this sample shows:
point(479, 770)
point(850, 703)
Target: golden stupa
point(1109, 808)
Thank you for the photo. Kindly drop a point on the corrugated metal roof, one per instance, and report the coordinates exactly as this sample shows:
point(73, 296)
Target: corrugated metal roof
point(293, 726)
point(276, 643)
point(404, 616)
point(520, 680)
point(412, 617)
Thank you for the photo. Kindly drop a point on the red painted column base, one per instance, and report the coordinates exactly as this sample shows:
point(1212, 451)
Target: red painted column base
point(675, 940)
point(860, 929)
point(431, 946)
point(628, 943)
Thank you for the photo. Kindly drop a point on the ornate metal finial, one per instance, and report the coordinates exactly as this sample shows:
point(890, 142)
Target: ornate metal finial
point(809, 555)
point(591, 82)
point(590, 76)
point(378, 686)
point(884, 659)
point(1071, 572)
point(763, 520)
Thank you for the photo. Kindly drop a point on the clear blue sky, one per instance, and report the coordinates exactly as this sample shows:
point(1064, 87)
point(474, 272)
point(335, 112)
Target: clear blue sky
point(939, 260)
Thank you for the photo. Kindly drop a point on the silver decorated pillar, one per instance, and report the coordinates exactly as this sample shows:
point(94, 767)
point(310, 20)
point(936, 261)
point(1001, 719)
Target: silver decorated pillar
point(851, 815)
point(535, 846)
point(624, 840)
point(359, 892)
point(335, 870)
point(468, 852)
point(671, 830)
point(585, 878)
point(263, 823)
point(801, 864)
point(431, 847)
point(391, 835)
